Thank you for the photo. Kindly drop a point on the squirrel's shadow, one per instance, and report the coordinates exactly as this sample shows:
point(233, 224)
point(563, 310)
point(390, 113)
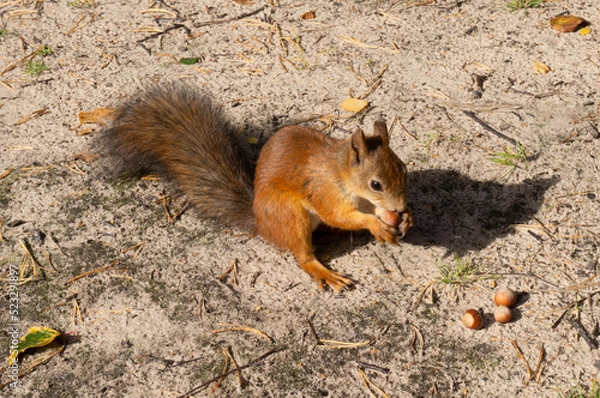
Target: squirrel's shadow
point(454, 211)
point(458, 213)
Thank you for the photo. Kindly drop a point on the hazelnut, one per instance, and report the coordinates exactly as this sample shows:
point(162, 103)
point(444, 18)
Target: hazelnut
point(472, 319)
point(388, 217)
point(505, 297)
point(503, 314)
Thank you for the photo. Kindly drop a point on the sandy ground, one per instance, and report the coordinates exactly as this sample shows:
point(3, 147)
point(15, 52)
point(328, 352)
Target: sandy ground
point(147, 323)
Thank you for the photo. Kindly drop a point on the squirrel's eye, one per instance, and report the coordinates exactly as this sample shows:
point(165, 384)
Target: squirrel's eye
point(376, 186)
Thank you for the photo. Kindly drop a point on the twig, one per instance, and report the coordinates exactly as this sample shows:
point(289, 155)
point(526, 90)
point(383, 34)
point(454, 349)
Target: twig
point(30, 367)
point(530, 374)
point(226, 20)
point(232, 269)
point(34, 263)
point(571, 306)
point(94, 271)
point(162, 32)
point(225, 369)
point(490, 129)
point(253, 362)
point(421, 294)
point(373, 367)
point(231, 327)
point(581, 331)
point(368, 383)
point(537, 372)
point(32, 115)
point(78, 25)
point(236, 367)
point(56, 244)
point(312, 330)
point(343, 344)
point(417, 333)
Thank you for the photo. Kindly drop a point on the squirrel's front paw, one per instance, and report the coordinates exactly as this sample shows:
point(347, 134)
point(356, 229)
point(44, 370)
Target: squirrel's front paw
point(405, 224)
point(384, 232)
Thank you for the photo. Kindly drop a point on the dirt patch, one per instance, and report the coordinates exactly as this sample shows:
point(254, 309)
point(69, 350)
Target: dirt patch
point(448, 72)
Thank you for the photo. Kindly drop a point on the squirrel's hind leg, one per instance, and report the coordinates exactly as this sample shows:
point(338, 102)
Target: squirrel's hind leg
point(297, 238)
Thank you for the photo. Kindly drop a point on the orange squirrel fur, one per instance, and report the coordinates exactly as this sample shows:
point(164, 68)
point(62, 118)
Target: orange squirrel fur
point(303, 178)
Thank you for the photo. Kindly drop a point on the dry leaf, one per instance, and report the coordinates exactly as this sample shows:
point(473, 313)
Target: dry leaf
point(308, 15)
point(98, 116)
point(566, 23)
point(244, 2)
point(541, 68)
point(354, 105)
point(86, 156)
point(6, 173)
point(85, 131)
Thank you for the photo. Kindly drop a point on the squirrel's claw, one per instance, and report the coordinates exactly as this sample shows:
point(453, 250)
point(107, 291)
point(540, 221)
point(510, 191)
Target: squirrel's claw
point(325, 277)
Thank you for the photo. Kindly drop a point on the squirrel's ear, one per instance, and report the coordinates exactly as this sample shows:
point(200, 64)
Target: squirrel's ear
point(359, 145)
point(380, 130)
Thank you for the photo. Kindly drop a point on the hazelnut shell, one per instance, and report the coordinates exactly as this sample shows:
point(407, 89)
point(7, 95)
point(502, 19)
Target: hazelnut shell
point(505, 297)
point(472, 319)
point(503, 314)
point(388, 217)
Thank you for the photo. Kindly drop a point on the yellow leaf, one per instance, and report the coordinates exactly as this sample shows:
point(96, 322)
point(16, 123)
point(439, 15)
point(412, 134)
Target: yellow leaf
point(566, 23)
point(36, 337)
point(585, 31)
point(98, 116)
point(354, 105)
point(308, 15)
point(541, 68)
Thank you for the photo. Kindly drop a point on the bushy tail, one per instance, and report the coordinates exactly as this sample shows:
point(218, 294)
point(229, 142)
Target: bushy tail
point(180, 134)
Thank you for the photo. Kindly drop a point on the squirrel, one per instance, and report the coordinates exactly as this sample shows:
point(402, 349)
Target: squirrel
point(302, 178)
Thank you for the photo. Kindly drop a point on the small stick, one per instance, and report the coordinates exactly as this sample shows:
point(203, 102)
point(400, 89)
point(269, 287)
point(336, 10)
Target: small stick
point(539, 368)
point(421, 294)
point(94, 271)
point(79, 26)
point(312, 330)
point(368, 383)
point(571, 306)
point(357, 75)
point(139, 248)
point(226, 20)
point(32, 115)
point(418, 334)
point(225, 369)
point(520, 356)
point(581, 331)
point(343, 344)
point(238, 371)
point(487, 127)
point(372, 367)
point(76, 312)
point(19, 62)
point(162, 32)
point(28, 254)
point(232, 268)
point(365, 381)
point(231, 327)
point(55, 244)
point(39, 361)
point(381, 72)
point(6, 173)
point(49, 259)
point(253, 362)
point(397, 120)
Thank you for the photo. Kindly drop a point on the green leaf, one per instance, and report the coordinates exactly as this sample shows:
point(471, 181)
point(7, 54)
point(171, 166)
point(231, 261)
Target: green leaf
point(188, 61)
point(37, 336)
